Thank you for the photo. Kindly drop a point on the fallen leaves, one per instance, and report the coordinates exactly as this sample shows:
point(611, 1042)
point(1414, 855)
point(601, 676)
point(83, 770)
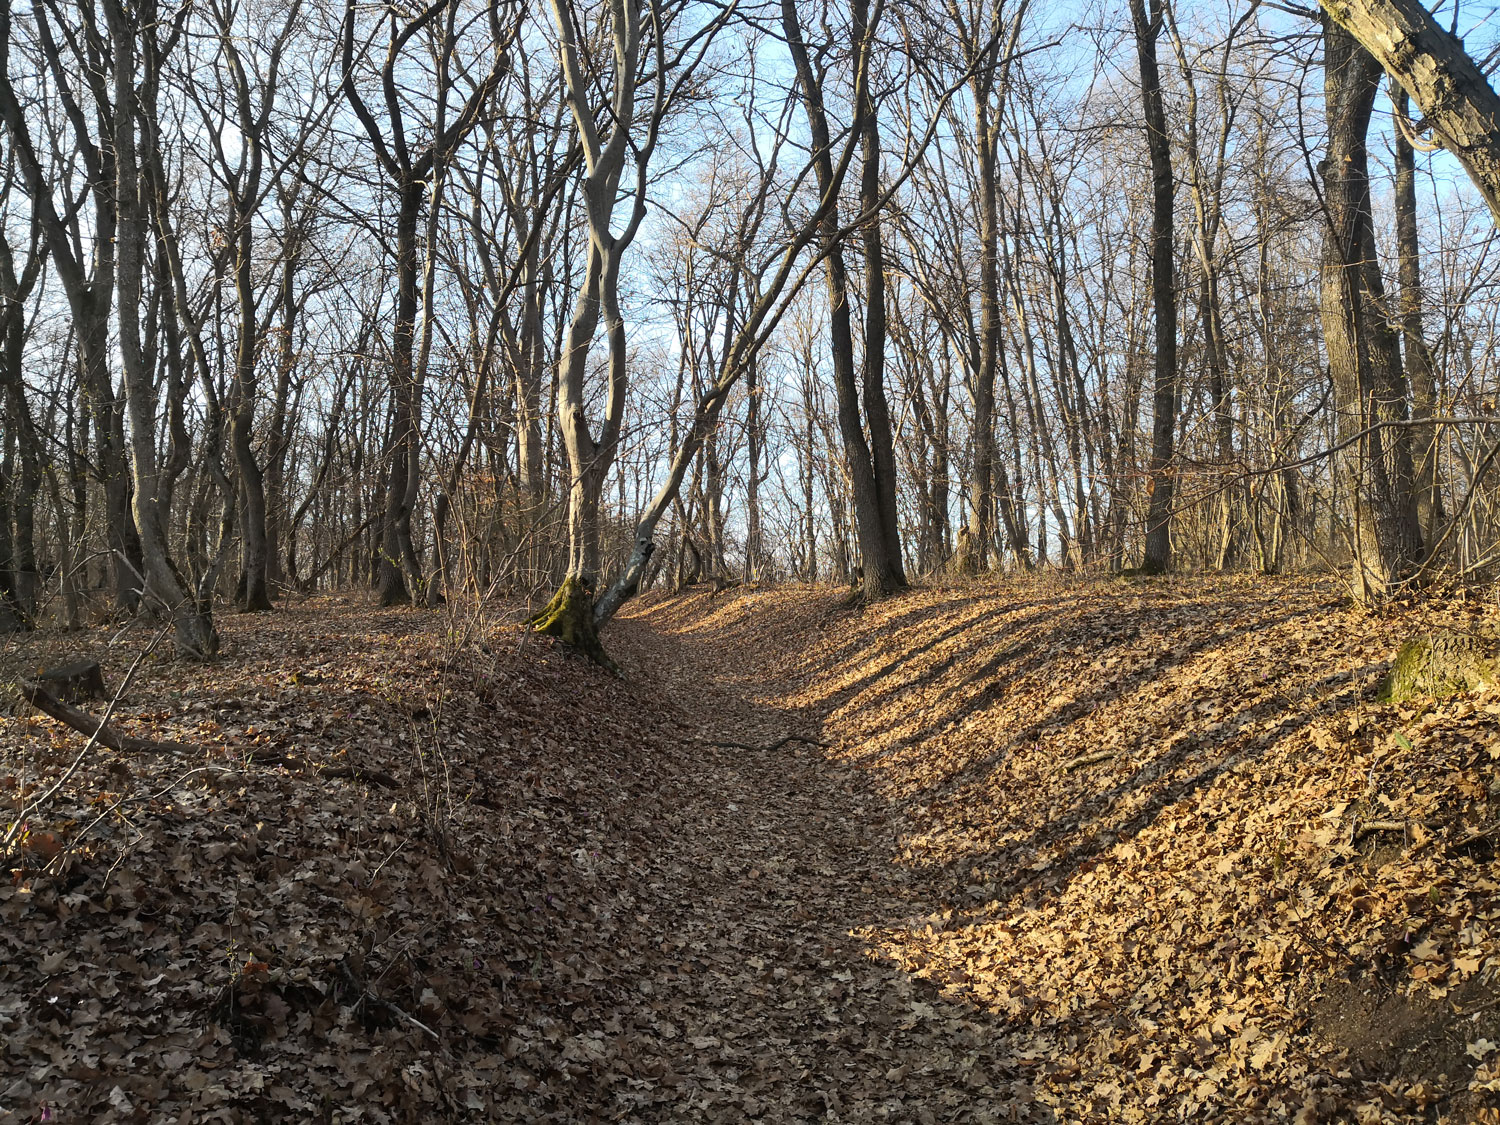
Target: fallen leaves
point(1210, 822)
point(1054, 851)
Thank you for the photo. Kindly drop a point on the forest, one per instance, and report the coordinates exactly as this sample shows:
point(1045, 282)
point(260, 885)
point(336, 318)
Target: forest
point(479, 299)
point(695, 560)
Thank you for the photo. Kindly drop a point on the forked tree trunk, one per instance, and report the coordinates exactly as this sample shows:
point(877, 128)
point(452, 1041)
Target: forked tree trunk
point(88, 293)
point(194, 632)
point(871, 462)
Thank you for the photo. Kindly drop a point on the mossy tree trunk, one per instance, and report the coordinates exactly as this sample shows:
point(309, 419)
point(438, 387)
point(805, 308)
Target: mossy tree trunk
point(1442, 664)
point(569, 617)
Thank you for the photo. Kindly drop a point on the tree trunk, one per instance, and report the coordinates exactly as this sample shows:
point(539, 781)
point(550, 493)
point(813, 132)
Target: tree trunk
point(1158, 554)
point(26, 473)
point(1453, 94)
point(1363, 357)
point(1417, 356)
point(871, 463)
point(194, 634)
point(400, 576)
point(254, 591)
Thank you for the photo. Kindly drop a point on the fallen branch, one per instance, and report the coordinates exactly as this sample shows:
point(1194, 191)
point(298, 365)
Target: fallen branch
point(1087, 760)
point(18, 825)
point(97, 729)
point(765, 749)
point(356, 773)
point(365, 996)
point(106, 735)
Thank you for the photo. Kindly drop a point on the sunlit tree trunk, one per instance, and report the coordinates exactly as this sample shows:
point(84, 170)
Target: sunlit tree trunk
point(1363, 356)
point(1455, 98)
point(1417, 356)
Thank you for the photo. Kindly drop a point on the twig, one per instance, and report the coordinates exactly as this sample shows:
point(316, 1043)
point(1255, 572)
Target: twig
point(356, 773)
point(1087, 760)
point(365, 994)
point(765, 749)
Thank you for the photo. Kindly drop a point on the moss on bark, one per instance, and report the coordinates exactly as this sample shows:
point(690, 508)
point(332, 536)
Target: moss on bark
point(1443, 664)
point(569, 617)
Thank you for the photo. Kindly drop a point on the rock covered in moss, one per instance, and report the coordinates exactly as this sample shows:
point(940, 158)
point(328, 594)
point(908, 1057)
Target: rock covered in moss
point(1441, 664)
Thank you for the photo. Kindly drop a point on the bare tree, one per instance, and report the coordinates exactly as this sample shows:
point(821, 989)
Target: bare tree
point(1363, 355)
point(85, 267)
point(1148, 27)
point(412, 169)
point(636, 40)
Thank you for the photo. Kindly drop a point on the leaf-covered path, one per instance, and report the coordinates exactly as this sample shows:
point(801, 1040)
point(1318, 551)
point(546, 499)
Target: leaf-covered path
point(1076, 850)
point(773, 1008)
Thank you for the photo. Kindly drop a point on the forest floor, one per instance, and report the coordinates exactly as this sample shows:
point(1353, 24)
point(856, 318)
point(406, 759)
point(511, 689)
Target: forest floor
point(1051, 850)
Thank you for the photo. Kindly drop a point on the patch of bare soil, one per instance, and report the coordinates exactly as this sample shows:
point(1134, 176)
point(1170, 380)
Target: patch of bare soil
point(1164, 835)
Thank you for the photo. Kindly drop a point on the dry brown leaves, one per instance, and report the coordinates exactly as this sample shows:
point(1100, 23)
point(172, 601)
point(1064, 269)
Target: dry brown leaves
point(576, 907)
point(1260, 896)
point(242, 942)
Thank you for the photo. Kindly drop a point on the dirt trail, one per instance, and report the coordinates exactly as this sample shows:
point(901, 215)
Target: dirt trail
point(770, 864)
point(1210, 918)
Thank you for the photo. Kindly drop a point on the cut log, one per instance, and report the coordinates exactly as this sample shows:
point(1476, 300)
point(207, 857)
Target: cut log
point(75, 682)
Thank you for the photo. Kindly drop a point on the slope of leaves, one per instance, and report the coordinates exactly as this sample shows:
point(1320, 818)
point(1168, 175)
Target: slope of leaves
point(1163, 835)
point(249, 941)
point(574, 906)
point(1081, 851)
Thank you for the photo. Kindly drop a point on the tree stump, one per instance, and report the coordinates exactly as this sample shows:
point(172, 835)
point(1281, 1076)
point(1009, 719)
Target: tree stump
point(1442, 664)
point(76, 682)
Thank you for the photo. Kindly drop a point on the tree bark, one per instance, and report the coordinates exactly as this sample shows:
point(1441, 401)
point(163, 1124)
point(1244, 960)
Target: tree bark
point(1417, 356)
point(194, 633)
point(1158, 553)
point(1453, 94)
point(1363, 356)
point(871, 463)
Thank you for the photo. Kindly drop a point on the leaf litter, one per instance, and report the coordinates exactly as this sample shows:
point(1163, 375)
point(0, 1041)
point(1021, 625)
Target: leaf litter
point(1077, 851)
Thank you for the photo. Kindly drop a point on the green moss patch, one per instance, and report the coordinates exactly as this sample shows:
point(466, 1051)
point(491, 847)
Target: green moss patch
point(1443, 664)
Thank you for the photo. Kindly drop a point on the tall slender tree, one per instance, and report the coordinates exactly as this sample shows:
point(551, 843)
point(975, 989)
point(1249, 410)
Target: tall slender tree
point(1364, 359)
point(1161, 481)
